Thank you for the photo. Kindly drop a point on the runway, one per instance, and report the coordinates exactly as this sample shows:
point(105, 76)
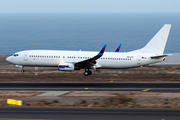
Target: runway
point(140, 86)
point(88, 113)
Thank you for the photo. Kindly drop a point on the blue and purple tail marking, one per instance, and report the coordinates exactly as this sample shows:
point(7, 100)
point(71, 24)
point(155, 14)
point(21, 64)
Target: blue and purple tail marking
point(119, 47)
point(102, 51)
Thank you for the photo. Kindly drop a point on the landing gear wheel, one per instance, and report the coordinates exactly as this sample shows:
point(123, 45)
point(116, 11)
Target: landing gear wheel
point(87, 72)
point(22, 70)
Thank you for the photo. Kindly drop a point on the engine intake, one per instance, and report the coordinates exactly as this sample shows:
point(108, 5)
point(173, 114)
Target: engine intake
point(66, 66)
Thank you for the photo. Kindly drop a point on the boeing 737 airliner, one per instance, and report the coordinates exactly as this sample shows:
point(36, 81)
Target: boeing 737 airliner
point(76, 60)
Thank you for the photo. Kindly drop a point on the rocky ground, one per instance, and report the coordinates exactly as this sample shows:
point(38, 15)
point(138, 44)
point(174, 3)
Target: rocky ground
point(115, 99)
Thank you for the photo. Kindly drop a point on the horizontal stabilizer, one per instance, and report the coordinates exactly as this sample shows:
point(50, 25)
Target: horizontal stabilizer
point(159, 56)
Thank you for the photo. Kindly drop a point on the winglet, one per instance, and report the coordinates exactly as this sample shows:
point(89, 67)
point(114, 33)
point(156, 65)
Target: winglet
point(102, 51)
point(118, 48)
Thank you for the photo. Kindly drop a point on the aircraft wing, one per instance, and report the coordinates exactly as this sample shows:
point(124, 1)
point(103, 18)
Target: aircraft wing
point(89, 63)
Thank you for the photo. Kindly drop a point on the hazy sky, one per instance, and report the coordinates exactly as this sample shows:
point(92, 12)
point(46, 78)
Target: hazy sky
point(86, 6)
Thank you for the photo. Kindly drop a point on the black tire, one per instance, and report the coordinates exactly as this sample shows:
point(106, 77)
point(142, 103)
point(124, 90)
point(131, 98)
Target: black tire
point(89, 72)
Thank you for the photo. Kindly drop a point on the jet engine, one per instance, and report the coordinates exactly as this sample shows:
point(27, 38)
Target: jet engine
point(66, 66)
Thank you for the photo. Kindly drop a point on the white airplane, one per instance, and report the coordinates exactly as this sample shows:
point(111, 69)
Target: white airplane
point(76, 60)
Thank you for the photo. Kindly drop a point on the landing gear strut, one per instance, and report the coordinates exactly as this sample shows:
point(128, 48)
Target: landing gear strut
point(87, 72)
point(22, 70)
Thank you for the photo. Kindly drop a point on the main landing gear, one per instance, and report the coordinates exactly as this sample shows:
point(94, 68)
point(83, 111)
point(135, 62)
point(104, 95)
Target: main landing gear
point(87, 72)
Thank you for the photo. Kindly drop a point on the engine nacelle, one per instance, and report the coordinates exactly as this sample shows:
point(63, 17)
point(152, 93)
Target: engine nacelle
point(66, 66)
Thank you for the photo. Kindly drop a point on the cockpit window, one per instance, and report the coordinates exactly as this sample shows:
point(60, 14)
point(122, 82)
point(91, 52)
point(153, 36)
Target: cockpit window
point(15, 55)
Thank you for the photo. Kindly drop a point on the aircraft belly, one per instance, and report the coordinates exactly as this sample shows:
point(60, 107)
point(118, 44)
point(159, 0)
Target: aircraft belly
point(48, 63)
point(118, 64)
point(44, 63)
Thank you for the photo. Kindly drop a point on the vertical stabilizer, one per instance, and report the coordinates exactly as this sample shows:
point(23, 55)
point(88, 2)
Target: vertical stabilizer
point(157, 44)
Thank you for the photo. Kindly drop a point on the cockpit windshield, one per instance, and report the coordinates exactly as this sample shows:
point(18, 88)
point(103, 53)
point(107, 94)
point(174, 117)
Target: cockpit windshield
point(15, 55)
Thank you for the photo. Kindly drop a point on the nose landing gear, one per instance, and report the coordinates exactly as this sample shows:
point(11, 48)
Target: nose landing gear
point(22, 70)
point(87, 72)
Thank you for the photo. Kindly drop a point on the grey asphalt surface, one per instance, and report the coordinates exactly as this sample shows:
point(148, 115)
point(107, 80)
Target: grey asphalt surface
point(138, 86)
point(88, 113)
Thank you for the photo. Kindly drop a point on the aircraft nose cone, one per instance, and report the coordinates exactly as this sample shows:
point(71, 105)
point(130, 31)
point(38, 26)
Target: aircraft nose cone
point(8, 59)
